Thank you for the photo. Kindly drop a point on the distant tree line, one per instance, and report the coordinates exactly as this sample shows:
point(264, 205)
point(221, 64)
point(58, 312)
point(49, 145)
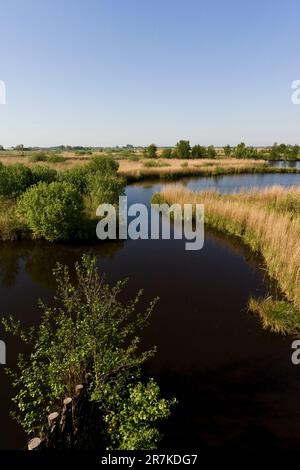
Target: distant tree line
point(184, 150)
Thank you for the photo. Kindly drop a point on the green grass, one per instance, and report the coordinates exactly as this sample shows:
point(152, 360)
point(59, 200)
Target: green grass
point(278, 316)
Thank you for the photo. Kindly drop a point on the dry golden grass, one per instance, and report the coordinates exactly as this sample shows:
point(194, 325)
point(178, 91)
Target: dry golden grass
point(188, 167)
point(263, 219)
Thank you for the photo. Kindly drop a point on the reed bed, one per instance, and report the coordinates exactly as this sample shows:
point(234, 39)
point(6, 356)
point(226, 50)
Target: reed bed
point(269, 222)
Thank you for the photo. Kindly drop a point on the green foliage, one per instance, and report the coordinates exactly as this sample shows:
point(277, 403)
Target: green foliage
point(240, 151)
point(211, 152)
point(132, 423)
point(43, 174)
point(278, 316)
point(166, 153)
point(151, 151)
point(90, 337)
point(103, 165)
point(183, 149)
point(227, 151)
point(285, 152)
point(11, 228)
point(14, 179)
point(104, 189)
point(198, 151)
point(76, 176)
point(52, 211)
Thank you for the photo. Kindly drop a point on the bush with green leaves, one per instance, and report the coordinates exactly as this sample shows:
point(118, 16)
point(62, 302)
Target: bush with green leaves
point(90, 337)
point(104, 189)
point(151, 151)
point(103, 165)
point(43, 174)
point(52, 211)
point(14, 180)
point(183, 149)
point(198, 151)
point(76, 176)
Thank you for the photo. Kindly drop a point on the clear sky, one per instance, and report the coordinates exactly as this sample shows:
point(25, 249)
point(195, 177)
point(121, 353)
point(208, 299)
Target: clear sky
point(113, 72)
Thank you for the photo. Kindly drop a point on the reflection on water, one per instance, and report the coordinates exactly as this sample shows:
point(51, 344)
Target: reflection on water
point(235, 382)
point(285, 164)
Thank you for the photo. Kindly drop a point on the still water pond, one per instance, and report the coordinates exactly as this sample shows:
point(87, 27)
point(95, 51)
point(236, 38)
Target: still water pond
point(235, 383)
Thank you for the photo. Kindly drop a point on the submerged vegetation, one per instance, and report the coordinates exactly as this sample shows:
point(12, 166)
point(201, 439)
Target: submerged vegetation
point(269, 222)
point(90, 337)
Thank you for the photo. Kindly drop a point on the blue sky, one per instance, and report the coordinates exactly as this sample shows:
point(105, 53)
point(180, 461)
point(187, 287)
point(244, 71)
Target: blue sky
point(112, 72)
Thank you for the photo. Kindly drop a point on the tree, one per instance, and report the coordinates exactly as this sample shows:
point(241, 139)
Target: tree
point(183, 149)
point(90, 337)
point(52, 211)
point(151, 151)
point(211, 151)
point(198, 151)
point(240, 150)
point(227, 151)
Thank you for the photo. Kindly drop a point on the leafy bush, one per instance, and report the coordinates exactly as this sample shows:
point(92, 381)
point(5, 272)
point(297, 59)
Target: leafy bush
point(198, 151)
point(14, 179)
point(52, 211)
point(151, 151)
point(43, 173)
point(103, 165)
point(90, 338)
point(76, 176)
point(104, 189)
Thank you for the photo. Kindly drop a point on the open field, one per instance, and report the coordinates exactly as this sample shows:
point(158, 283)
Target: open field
point(269, 222)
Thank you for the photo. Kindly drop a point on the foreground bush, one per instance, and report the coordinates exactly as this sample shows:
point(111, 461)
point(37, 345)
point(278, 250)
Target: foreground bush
point(90, 338)
point(52, 211)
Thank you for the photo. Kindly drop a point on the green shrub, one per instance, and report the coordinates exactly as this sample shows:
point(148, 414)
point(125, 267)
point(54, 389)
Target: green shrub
point(103, 165)
point(43, 173)
point(52, 211)
point(104, 189)
point(14, 180)
point(76, 176)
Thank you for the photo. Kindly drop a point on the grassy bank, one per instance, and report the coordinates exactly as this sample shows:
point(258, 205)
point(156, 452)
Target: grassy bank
point(175, 168)
point(269, 222)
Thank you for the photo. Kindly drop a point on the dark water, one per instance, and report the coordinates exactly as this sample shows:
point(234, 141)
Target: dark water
point(223, 184)
point(235, 383)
